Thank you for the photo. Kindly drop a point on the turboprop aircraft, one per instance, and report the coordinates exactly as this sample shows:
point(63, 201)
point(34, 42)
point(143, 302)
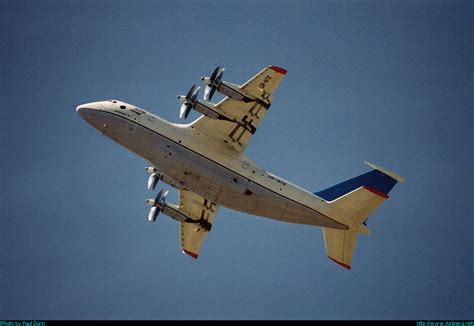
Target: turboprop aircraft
point(205, 161)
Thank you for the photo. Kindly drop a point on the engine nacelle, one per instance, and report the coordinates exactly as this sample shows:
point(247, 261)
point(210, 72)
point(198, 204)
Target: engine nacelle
point(234, 92)
point(211, 111)
point(207, 108)
point(190, 102)
point(231, 90)
point(173, 211)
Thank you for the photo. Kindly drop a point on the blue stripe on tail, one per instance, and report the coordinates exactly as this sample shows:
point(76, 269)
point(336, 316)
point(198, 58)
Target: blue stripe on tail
point(373, 179)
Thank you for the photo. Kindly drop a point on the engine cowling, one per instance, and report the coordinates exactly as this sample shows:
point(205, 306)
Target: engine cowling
point(232, 91)
point(190, 102)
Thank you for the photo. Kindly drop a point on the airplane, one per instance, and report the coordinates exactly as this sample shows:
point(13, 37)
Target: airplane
point(205, 161)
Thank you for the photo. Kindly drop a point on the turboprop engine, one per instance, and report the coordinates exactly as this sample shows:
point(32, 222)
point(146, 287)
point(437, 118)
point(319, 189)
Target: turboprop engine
point(233, 91)
point(190, 102)
point(159, 205)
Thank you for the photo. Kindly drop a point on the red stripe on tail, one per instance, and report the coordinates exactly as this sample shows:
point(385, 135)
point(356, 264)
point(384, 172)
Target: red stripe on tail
point(378, 193)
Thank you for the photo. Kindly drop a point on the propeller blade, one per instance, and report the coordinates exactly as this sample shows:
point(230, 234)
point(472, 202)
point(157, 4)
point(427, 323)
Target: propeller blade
point(153, 214)
point(158, 196)
point(213, 90)
point(152, 181)
point(162, 199)
point(207, 91)
point(214, 73)
point(195, 92)
point(219, 74)
point(158, 204)
point(184, 110)
point(190, 92)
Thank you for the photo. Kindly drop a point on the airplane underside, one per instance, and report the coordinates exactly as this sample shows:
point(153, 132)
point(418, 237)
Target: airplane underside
point(185, 169)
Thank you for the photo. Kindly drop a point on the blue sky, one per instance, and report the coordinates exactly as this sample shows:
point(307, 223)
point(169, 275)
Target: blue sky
point(390, 82)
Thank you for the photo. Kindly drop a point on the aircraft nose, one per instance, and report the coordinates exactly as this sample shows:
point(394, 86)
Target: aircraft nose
point(85, 111)
point(81, 109)
point(87, 108)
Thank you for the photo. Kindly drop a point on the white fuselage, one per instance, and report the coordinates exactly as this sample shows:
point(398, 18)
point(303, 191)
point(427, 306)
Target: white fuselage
point(188, 161)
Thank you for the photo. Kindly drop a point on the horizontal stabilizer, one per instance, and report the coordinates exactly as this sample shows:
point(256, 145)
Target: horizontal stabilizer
point(387, 172)
point(340, 245)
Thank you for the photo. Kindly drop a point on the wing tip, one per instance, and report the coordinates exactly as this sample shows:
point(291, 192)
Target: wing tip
point(339, 263)
point(189, 253)
point(279, 69)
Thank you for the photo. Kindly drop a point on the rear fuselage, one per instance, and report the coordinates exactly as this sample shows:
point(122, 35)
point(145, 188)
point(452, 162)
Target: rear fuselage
point(190, 161)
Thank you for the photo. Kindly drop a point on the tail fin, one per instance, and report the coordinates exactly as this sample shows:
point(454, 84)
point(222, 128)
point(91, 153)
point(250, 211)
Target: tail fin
point(354, 200)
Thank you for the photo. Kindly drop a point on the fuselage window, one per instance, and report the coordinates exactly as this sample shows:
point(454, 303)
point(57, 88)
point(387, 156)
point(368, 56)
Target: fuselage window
point(123, 107)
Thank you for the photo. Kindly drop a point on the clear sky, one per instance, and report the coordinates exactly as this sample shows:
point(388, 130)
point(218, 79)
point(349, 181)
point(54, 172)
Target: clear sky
point(390, 82)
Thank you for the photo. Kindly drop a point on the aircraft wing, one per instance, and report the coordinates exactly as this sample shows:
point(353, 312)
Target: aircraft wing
point(247, 115)
point(193, 231)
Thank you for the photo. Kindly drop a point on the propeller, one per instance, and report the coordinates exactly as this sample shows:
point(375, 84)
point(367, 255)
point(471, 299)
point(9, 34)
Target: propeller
point(153, 214)
point(156, 205)
point(212, 82)
point(152, 181)
point(188, 102)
